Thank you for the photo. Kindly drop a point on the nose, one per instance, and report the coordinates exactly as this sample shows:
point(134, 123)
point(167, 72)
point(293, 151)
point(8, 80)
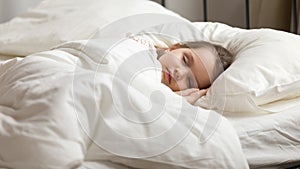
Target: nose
point(180, 73)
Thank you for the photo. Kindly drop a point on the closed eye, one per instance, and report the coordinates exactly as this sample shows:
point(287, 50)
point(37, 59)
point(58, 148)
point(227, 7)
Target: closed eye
point(185, 59)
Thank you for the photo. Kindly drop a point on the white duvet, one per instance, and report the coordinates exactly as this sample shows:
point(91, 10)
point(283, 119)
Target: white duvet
point(59, 109)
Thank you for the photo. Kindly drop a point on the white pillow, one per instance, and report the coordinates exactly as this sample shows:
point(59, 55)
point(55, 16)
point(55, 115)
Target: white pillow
point(54, 21)
point(266, 69)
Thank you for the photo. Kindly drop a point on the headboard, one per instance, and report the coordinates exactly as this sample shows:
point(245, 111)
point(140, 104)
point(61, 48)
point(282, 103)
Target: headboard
point(247, 13)
point(163, 3)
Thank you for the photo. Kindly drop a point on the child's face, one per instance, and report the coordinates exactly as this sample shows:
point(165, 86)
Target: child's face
point(184, 68)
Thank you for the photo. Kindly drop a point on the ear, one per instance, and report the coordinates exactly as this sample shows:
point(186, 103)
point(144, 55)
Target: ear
point(174, 46)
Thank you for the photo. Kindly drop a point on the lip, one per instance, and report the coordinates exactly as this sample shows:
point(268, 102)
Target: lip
point(169, 77)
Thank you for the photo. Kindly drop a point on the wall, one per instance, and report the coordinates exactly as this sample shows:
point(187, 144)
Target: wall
point(11, 8)
point(231, 12)
point(275, 14)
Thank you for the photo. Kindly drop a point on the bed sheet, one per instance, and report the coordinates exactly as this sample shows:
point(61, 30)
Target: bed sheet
point(273, 140)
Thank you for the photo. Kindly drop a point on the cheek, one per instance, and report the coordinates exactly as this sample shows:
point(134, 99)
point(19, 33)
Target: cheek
point(180, 85)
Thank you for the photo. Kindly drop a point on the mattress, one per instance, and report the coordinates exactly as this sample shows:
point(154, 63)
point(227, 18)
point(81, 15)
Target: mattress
point(269, 140)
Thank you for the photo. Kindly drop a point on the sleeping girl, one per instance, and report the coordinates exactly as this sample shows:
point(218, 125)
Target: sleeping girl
point(189, 68)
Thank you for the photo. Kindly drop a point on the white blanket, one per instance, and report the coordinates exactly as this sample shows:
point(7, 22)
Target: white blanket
point(57, 109)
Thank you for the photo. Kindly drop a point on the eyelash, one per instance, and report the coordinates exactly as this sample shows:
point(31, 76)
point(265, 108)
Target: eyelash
point(185, 59)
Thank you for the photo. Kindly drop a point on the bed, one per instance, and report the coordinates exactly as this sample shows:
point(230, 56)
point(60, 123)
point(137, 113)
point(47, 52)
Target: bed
point(71, 98)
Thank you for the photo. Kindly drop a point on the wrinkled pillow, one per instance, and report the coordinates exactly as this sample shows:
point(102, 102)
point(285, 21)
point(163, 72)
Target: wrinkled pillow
point(54, 21)
point(266, 69)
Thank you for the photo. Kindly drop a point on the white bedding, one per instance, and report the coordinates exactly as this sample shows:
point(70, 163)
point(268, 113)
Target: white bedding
point(54, 21)
point(38, 115)
point(270, 141)
point(52, 114)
